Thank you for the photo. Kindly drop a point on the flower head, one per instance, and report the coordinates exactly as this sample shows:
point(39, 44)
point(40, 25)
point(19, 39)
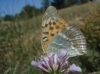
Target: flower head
point(55, 63)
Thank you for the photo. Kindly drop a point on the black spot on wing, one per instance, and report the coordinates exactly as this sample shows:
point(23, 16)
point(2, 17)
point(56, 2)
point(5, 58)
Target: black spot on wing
point(54, 23)
point(50, 23)
point(45, 26)
point(57, 27)
point(52, 34)
point(51, 28)
point(45, 32)
point(45, 39)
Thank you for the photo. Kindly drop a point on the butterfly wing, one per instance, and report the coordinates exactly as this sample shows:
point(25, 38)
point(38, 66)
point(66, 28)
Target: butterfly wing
point(71, 39)
point(52, 23)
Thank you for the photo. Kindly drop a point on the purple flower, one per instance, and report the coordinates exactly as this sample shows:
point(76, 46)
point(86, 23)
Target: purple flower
point(56, 63)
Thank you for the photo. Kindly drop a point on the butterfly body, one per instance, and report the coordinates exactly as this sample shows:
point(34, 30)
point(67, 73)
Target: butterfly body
point(57, 34)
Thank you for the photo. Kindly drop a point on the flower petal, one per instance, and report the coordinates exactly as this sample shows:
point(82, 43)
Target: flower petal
point(38, 65)
point(35, 64)
point(46, 63)
point(74, 68)
point(62, 53)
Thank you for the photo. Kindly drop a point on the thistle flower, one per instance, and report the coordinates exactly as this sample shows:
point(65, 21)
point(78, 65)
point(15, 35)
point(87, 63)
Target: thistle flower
point(56, 63)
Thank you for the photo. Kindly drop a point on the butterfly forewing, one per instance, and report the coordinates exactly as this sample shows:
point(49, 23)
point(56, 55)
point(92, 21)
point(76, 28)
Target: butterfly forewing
point(52, 23)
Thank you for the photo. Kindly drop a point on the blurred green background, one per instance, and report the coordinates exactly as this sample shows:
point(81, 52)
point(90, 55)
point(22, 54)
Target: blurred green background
point(20, 34)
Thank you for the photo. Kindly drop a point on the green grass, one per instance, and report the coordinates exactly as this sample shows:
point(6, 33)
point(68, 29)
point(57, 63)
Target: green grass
point(20, 41)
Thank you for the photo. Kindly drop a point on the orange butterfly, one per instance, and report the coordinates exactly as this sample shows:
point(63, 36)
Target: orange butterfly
point(57, 34)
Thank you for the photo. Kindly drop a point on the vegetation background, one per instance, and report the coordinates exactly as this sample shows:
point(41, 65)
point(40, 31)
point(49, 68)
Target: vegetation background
point(20, 35)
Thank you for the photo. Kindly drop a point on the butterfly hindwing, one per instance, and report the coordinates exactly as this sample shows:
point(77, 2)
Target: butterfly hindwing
point(52, 23)
point(71, 39)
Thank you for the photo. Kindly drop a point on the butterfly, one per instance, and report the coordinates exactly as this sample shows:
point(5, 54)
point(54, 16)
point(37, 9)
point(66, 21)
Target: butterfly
point(58, 34)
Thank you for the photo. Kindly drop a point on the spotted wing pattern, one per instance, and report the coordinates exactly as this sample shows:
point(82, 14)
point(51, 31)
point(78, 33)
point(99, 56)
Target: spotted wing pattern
point(52, 23)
